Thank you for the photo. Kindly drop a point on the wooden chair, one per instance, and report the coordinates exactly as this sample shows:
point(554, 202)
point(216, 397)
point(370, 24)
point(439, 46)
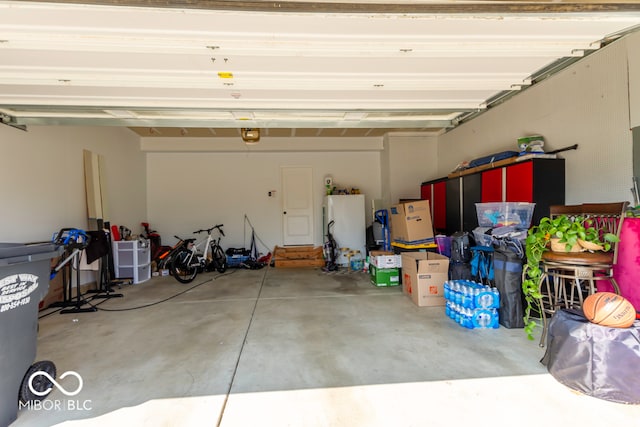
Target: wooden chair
point(569, 277)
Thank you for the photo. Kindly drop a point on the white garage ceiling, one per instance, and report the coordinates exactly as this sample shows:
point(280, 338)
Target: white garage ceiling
point(290, 68)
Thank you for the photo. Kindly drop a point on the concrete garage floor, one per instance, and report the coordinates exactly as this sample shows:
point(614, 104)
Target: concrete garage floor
point(296, 347)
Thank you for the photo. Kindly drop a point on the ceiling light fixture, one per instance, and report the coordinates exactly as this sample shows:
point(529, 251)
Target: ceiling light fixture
point(250, 136)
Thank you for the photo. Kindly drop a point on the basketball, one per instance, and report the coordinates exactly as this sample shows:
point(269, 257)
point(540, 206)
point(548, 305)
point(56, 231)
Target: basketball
point(609, 309)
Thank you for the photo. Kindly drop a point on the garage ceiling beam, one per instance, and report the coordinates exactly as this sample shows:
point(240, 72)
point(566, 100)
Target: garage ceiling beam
point(466, 7)
point(273, 124)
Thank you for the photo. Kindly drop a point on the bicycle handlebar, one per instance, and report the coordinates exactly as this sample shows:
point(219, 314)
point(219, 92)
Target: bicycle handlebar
point(208, 230)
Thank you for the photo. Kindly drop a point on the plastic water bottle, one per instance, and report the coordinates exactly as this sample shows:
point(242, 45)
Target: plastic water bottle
point(476, 293)
point(463, 314)
point(461, 320)
point(465, 297)
point(496, 319)
point(468, 316)
point(496, 294)
point(482, 318)
point(484, 299)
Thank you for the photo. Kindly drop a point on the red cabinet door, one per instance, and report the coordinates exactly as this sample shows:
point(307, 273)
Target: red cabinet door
point(520, 183)
point(491, 186)
point(439, 205)
point(425, 192)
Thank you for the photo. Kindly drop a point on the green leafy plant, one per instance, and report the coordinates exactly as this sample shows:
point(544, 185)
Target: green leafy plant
point(569, 230)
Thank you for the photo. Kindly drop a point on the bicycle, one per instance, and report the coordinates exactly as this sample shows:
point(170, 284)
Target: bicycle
point(164, 258)
point(190, 259)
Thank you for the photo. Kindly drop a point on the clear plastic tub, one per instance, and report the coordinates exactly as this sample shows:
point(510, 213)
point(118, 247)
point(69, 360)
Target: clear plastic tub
point(500, 214)
point(481, 238)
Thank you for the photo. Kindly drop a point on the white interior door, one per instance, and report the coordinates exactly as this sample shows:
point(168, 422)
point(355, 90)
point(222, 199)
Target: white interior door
point(297, 205)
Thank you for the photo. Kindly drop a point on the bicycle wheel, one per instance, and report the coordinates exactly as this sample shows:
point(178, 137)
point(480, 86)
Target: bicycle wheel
point(219, 258)
point(180, 269)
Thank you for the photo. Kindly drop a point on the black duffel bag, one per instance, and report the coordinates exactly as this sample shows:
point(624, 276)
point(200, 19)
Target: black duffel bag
point(507, 273)
point(238, 252)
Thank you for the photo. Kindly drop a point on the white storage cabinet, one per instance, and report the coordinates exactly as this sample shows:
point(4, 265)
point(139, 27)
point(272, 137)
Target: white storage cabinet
point(132, 260)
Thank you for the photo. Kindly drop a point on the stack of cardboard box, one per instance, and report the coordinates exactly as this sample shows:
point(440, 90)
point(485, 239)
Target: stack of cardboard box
point(384, 268)
point(423, 273)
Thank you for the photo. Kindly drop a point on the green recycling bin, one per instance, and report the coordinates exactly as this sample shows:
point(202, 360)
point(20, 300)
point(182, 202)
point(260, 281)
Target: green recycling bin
point(24, 282)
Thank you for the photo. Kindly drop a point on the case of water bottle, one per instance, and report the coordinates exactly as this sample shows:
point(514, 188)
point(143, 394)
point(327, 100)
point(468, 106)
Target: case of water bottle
point(471, 304)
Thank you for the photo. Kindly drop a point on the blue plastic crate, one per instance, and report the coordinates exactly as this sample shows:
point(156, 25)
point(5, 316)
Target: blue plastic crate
point(236, 260)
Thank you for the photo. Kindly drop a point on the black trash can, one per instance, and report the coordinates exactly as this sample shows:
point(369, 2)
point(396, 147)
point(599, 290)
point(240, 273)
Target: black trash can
point(24, 282)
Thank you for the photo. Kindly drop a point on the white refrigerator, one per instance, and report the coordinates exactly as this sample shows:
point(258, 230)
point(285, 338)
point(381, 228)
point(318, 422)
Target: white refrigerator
point(349, 228)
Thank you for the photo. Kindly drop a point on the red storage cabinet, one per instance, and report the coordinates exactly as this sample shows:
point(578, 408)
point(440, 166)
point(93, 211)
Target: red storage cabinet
point(492, 186)
point(452, 200)
point(520, 183)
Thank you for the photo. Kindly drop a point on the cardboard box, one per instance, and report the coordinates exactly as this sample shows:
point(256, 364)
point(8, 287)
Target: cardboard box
point(423, 277)
point(385, 259)
point(411, 222)
point(384, 276)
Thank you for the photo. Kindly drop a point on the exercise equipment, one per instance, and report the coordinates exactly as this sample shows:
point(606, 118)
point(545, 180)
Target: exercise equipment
point(73, 241)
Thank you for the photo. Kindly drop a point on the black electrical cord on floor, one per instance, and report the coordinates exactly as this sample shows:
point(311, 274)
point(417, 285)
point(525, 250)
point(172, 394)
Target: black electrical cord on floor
point(97, 306)
point(244, 341)
point(161, 301)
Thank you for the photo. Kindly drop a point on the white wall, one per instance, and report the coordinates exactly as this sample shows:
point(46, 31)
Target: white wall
point(633, 42)
point(42, 184)
point(407, 161)
point(190, 191)
point(587, 104)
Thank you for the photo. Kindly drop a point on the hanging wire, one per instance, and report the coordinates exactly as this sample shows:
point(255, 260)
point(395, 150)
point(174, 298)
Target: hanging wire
point(247, 221)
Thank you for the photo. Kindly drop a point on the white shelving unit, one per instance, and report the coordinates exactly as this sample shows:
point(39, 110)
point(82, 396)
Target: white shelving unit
point(132, 260)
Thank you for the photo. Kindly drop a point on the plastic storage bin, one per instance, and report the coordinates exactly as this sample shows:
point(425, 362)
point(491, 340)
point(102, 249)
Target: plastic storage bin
point(501, 214)
point(24, 282)
point(481, 238)
point(236, 260)
point(444, 245)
